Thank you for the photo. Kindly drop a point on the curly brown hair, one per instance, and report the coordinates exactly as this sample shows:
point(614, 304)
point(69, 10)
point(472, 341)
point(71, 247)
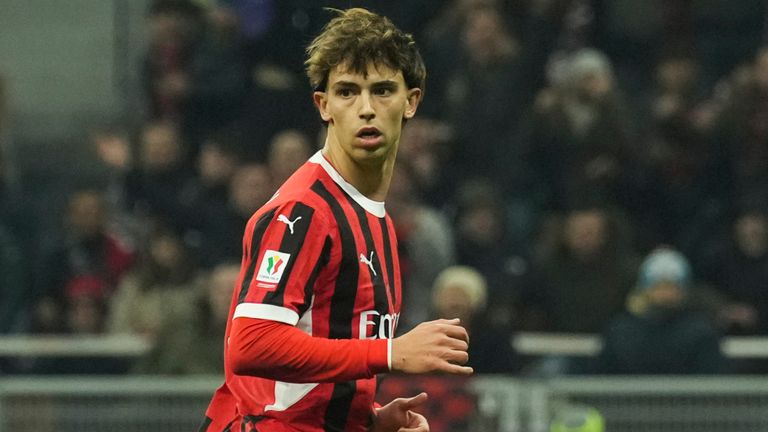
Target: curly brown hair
point(357, 38)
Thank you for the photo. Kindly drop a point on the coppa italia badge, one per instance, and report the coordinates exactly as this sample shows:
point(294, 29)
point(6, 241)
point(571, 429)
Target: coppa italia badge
point(272, 266)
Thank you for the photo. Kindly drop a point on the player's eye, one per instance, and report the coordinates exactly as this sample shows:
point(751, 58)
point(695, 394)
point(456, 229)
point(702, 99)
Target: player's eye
point(383, 91)
point(344, 92)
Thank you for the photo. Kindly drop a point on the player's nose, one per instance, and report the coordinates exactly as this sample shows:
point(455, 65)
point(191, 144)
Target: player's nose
point(366, 110)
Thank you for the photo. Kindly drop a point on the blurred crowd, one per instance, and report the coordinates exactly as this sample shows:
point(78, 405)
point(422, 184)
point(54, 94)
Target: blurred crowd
point(578, 166)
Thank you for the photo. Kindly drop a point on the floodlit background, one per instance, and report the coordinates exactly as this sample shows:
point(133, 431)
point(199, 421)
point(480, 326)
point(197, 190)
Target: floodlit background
point(585, 184)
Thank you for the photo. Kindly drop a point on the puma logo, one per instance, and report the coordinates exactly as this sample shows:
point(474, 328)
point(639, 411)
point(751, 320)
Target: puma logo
point(368, 262)
point(285, 220)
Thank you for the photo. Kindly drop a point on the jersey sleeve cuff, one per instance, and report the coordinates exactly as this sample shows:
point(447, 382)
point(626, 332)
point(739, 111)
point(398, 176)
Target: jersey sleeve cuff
point(267, 312)
point(380, 355)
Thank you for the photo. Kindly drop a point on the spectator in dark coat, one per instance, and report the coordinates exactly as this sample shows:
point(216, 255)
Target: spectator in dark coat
point(583, 281)
point(659, 333)
point(737, 269)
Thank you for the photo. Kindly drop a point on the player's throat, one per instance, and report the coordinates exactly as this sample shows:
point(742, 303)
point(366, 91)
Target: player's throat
point(370, 179)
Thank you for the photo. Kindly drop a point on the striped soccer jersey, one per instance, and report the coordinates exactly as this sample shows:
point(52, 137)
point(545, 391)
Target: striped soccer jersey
point(322, 257)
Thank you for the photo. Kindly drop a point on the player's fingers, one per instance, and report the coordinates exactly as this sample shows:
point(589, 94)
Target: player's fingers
point(456, 357)
point(416, 423)
point(414, 401)
point(457, 344)
point(455, 331)
point(454, 369)
point(443, 321)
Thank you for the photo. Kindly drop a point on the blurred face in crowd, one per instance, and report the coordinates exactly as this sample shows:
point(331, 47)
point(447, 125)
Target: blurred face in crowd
point(216, 166)
point(595, 85)
point(665, 294)
point(85, 314)
point(484, 35)
point(223, 280)
point(287, 152)
point(586, 233)
point(86, 215)
point(250, 188)
point(167, 251)
point(365, 114)
point(160, 147)
point(482, 225)
point(168, 29)
point(751, 231)
point(453, 301)
point(676, 75)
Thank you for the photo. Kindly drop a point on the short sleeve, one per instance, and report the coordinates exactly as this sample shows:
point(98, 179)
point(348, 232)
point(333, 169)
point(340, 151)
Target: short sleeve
point(285, 248)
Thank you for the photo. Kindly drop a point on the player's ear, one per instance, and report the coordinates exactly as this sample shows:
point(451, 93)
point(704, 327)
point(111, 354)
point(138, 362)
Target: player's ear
point(412, 103)
point(321, 102)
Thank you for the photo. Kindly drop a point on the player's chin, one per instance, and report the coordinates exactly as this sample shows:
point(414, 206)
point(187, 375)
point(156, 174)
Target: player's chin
point(371, 154)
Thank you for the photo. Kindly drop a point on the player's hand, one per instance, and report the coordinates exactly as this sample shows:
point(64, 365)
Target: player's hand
point(433, 346)
point(397, 416)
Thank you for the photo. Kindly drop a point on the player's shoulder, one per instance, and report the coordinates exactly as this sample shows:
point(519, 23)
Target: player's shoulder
point(296, 197)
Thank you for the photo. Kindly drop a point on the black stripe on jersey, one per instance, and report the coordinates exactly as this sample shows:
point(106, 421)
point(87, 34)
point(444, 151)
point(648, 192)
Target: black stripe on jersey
point(345, 289)
point(291, 243)
point(380, 301)
point(325, 256)
point(338, 407)
point(342, 308)
point(389, 253)
point(258, 233)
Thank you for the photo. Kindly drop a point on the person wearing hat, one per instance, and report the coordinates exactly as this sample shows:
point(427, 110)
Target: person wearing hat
point(660, 333)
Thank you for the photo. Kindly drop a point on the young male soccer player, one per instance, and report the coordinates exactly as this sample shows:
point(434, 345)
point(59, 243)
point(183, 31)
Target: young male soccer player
point(318, 298)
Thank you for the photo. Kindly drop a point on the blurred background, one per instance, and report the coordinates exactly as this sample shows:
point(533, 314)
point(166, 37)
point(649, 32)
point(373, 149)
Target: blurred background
point(585, 184)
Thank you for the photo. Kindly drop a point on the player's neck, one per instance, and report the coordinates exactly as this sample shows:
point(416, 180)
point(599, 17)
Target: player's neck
point(371, 179)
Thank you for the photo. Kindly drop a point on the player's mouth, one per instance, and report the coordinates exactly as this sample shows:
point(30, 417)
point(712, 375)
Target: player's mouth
point(369, 136)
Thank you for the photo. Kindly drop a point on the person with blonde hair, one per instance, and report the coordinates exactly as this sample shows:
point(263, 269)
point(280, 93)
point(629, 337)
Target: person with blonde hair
point(461, 291)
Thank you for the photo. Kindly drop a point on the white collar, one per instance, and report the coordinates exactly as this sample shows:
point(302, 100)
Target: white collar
point(374, 207)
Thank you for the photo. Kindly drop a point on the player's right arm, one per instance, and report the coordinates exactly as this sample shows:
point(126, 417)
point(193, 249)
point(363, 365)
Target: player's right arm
point(278, 269)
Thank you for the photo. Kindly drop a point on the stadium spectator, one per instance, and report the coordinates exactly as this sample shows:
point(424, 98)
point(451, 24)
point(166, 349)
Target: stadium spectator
point(461, 292)
point(164, 279)
point(680, 173)
point(659, 333)
point(90, 251)
point(486, 92)
point(189, 339)
point(155, 186)
point(424, 144)
point(736, 266)
point(742, 130)
point(219, 158)
point(484, 241)
point(222, 230)
point(85, 314)
point(579, 138)
point(288, 150)
point(584, 279)
point(194, 69)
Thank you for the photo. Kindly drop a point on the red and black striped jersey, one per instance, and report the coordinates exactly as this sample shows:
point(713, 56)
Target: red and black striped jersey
point(322, 257)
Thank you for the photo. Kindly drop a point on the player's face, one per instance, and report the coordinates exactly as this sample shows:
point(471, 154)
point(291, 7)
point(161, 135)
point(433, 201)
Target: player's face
point(365, 112)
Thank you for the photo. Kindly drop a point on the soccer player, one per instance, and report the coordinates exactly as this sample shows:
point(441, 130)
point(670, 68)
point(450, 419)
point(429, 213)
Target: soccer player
point(318, 298)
